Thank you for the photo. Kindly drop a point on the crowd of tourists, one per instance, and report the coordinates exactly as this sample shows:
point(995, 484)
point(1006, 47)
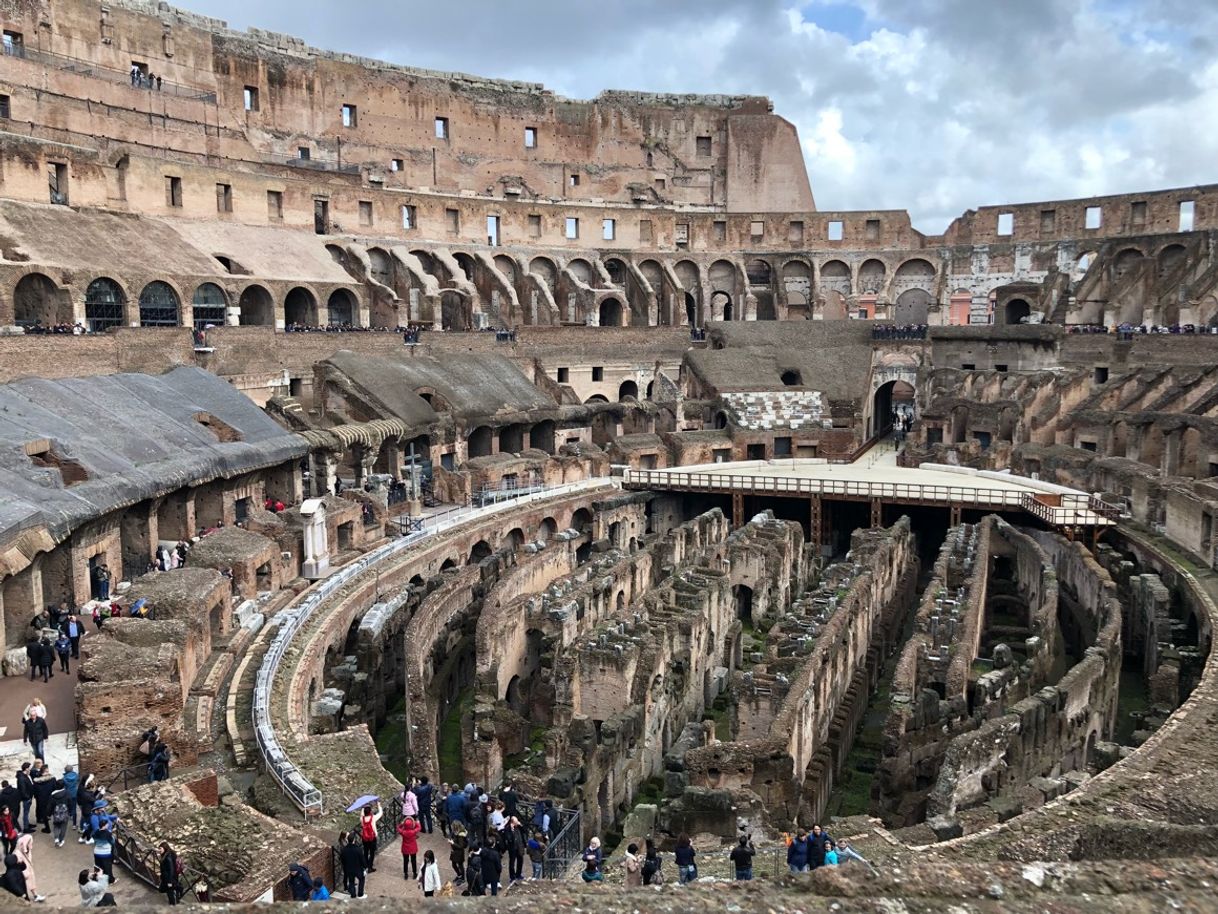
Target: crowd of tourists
point(898, 332)
point(38, 328)
point(1129, 331)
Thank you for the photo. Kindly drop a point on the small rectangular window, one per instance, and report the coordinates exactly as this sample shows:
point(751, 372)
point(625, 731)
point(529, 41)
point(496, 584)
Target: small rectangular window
point(1187, 210)
point(795, 232)
point(872, 230)
point(1087, 445)
point(224, 198)
point(14, 43)
point(661, 183)
point(644, 230)
point(1094, 217)
point(704, 146)
point(564, 375)
point(441, 128)
point(6, 109)
point(57, 179)
point(608, 229)
point(1101, 374)
point(173, 191)
point(836, 229)
point(572, 227)
point(598, 373)
point(530, 137)
point(720, 230)
point(534, 225)
point(396, 164)
point(274, 204)
point(1137, 212)
point(350, 116)
point(251, 98)
point(452, 219)
point(681, 233)
point(1006, 223)
point(573, 180)
point(968, 366)
point(756, 228)
point(303, 153)
point(408, 217)
point(365, 212)
point(1048, 220)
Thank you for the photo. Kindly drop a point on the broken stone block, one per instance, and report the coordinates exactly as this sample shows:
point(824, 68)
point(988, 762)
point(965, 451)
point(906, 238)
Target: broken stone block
point(946, 827)
point(16, 663)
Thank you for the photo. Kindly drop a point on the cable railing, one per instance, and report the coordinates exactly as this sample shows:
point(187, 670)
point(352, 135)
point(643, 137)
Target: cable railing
point(97, 71)
point(291, 780)
point(144, 863)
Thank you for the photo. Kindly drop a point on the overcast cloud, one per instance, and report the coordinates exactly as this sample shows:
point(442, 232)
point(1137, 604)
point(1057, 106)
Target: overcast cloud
point(935, 106)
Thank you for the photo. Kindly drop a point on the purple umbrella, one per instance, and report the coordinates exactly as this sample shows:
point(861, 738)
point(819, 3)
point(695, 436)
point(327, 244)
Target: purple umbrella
point(363, 801)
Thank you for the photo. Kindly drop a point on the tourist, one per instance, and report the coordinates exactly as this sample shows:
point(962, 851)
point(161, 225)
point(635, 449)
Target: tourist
point(86, 797)
point(474, 884)
point(455, 807)
point(46, 659)
point(351, 856)
point(367, 832)
point(300, 882)
point(652, 865)
point(93, 885)
point(103, 582)
point(742, 858)
point(33, 653)
point(687, 870)
point(442, 809)
point(425, 794)
point(429, 881)
point(320, 892)
point(45, 784)
point(103, 839)
point(513, 837)
point(816, 847)
point(592, 861)
point(846, 853)
point(409, 830)
point(475, 817)
point(71, 787)
point(458, 843)
point(8, 827)
point(543, 818)
point(797, 853)
point(25, 853)
point(63, 647)
point(830, 854)
point(633, 865)
point(61, 815)
point(492, 867)
point(410, 800)
point(171, 872)
point(75, 631)
point(537, 853)
point(497, 819)
point(25, 788)
point(510, 800)
point(13, 879)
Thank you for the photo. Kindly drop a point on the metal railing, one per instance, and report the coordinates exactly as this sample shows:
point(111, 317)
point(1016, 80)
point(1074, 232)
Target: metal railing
point(291, 780)
point(97, 71)
point(144, 863)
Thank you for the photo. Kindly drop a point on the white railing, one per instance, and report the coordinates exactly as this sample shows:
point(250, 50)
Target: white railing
point(292, 620)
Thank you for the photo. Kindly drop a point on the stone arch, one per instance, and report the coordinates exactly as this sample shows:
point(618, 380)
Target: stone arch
point(256, 306)
point(381, 266)
point(36, 299)
point(1169, 259)
point(835, 277)
point(454, 314)
point(759, 272)
point(466, 263)
point(1082, 264)
point(426, 261)
point(511, 438)
point(342, 307)
point(742, 596)
point(581, 520)
point(541, 436)
point(722, 276)
point(543, 268)
point(1017, 311)
point(616, 268)
point(915, 273)
point(209, 306)
point(160, 305)
point(582, 270)
point(1125, 261)
point(507, 266)
point(628, 390)
point(300, 307)
point(546, 529)
point(721, 306)
point(792, 378)
point(871, 276)
point(105, 304)
point(479, 552)
point(797, 284)
point(912, 307)
point(611, 313)
point(481, 442)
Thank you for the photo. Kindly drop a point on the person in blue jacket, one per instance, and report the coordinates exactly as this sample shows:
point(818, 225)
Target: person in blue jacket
point(320, 892)
point(797, 853)
point(455, 805)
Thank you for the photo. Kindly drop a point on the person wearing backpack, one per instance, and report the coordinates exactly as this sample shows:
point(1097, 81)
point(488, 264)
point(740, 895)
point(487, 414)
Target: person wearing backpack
point(60, 816)
point(367, 832)
point(171, 874)
point(71, 786)
point(652, 861)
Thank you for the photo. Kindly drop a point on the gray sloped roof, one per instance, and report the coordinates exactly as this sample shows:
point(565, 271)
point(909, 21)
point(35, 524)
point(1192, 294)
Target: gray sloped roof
point(474, 384)
point(136, 437)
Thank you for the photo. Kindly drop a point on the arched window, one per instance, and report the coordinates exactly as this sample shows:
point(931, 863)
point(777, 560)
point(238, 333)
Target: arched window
point(158, 305)
point(104, 303)
point(209, 305)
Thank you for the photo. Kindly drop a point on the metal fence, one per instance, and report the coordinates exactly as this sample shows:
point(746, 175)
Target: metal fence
point(144, 862)
point(88, 68)
point(291, 780)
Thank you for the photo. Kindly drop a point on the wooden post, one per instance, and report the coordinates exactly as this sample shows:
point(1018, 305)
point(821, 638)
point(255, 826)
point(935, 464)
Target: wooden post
point(737, 510)
point(954, 516)
point(877, 513)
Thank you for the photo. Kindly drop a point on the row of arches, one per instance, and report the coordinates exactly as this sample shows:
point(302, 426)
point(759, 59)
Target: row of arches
point(38, 300)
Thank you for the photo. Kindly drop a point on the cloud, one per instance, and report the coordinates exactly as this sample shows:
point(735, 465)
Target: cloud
point(935, 106)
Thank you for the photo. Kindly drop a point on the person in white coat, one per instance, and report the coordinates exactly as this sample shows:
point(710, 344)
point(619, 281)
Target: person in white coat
point(429, 879)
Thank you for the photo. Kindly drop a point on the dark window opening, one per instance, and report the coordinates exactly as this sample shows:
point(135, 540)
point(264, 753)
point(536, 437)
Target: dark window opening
point(321, 217)
point(274, 204)
point(57, 179)
point(173, 191)
point(224, 198)
point(6, 110)
point(598, 373)
point(564, 375)
point(1101, 374)
point(703, 145)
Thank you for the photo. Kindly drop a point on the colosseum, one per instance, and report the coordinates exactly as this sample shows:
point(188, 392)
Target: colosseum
point(364, 424)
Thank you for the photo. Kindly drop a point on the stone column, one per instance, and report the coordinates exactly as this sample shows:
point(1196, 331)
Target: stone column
point(323, 467)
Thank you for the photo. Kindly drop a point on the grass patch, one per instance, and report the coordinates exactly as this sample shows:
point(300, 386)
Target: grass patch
point(721, 713)
point(449, 748)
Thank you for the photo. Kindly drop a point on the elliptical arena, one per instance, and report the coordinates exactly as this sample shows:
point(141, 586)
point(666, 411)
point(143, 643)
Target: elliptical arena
point(569, 444)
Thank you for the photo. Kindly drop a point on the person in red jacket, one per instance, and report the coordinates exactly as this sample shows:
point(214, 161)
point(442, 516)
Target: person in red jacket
point(409, 830)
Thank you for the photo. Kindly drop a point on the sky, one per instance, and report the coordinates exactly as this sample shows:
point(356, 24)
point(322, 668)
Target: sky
point(933, 106)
